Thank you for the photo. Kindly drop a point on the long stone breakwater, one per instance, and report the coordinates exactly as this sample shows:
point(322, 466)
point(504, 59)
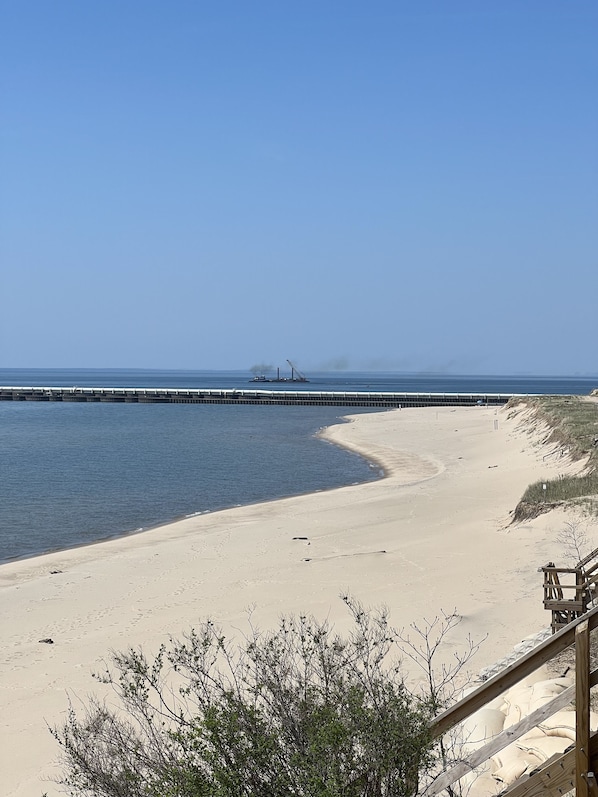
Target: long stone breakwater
point(137, 395)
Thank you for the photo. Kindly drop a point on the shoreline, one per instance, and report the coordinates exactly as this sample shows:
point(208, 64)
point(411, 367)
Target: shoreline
point(316, 433)
point(433, 534)
point(321, 433)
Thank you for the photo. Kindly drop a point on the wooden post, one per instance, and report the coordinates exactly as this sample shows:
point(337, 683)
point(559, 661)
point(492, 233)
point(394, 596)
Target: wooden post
point(582, 709)
point(580, 589)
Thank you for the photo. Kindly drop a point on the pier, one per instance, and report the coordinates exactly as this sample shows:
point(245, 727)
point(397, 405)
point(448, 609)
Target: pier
point(137, 395)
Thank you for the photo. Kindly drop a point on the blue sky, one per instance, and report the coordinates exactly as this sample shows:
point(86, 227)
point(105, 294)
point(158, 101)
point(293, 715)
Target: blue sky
point(404, 186)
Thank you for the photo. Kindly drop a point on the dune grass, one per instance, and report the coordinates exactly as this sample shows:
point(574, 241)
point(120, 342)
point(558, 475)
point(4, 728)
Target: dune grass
point(573, 430)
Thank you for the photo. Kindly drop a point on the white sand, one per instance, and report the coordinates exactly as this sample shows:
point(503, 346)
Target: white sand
point(441, 518)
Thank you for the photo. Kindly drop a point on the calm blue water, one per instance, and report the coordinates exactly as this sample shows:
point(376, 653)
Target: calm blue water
point(76, 473)
point(424, 383)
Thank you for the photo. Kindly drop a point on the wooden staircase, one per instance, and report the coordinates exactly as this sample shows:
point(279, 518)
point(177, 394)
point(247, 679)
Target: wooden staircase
point(575, 768)
point(569, 591)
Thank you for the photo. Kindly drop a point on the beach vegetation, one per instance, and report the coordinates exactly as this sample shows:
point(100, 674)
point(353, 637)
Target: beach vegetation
point(571, 424)
point(574, 541)
point(300, 711)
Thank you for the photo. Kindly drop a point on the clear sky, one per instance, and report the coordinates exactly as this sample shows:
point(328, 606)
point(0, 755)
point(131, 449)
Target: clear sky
point(387, 185)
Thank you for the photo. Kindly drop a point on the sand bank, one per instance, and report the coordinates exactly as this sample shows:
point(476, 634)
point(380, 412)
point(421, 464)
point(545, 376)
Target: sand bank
point(433, 535)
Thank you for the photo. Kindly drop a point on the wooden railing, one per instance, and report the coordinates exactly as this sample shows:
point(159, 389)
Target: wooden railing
point(569, 591)
point(575, 768)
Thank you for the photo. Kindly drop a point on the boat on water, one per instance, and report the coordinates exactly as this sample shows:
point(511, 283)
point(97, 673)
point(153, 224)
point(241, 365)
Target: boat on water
point(296, 376)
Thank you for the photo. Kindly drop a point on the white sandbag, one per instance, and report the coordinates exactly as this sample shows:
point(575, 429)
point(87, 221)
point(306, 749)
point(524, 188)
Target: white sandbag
point(541, 674)
point(481, 726)
point(506, 759)
point(549, 689)
point(561, 724)
point(498, 704)
point(544, 748)
point(515, 768)
point(518, 707)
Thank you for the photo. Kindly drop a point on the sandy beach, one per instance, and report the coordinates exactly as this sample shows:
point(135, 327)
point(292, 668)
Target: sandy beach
point(433, 535)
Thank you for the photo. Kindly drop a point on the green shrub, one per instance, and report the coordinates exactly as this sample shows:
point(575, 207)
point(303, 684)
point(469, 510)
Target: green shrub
point(300, 712)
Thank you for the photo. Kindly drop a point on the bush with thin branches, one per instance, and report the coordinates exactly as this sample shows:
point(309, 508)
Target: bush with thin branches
point(299, 712)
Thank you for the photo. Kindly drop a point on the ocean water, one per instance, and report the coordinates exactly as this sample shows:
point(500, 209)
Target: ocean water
point(71, 474)
point(423, 383)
